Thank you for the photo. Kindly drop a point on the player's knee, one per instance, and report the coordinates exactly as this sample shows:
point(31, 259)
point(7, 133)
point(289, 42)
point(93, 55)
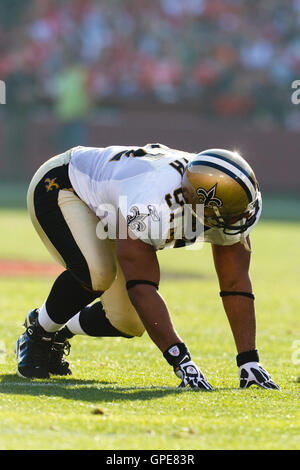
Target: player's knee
point(91, 279)
point(101, 280)
point(124, 335)
point(134, 330)
point(140, 332)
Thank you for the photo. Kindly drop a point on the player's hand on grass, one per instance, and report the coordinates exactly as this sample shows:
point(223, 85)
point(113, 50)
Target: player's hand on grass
point(252, 373)
point(191, 375)
point(179, 357)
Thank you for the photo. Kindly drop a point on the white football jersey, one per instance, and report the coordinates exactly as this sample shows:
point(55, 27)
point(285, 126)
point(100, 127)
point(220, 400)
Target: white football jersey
point(138, 187)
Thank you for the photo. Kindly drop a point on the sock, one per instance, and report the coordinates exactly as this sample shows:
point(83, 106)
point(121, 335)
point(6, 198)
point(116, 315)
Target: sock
point(63, 334)
point(45, 321)
point(66, 298)
point(92, 321)
point(73, 325)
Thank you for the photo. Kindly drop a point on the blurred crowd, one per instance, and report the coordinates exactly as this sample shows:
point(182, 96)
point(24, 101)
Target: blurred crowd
point(226, 57)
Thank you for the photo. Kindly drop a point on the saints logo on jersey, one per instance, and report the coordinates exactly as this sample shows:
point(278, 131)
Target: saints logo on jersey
point(208, 197)
point(135, 220)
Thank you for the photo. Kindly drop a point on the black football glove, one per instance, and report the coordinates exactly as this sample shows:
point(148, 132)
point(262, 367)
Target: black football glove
point(179, 357)
point(251, 372)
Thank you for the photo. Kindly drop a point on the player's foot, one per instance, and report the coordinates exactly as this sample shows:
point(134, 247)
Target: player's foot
point(60, 348)
point(33, 352)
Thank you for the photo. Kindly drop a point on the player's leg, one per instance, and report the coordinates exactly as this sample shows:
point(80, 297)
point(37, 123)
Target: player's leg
point(90, 321)
point(68, 229)
point(114, 315)
point(117, 318)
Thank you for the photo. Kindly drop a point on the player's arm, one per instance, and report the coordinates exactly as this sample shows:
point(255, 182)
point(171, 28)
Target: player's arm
point(232, 266)
point(139, 263)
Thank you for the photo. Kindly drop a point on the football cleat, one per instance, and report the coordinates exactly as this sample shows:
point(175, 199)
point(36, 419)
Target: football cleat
point(31, 317)
point(60, 348)
point(33, 352)
point(226, 185)
point(58, 365)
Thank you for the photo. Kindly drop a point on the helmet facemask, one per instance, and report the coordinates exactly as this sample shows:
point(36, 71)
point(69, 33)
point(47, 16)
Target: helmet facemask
point(229, 223)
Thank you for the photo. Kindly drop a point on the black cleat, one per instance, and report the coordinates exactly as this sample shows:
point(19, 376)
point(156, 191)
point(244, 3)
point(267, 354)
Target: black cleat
point(31, 317)
point(60, 348)
point(58, 365)
point(33, 352)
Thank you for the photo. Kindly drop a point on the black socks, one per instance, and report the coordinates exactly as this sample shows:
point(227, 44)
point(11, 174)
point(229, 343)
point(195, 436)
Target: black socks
point(67, 297)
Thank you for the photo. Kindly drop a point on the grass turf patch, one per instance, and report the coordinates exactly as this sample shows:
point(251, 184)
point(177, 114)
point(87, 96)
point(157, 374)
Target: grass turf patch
point(123, 395)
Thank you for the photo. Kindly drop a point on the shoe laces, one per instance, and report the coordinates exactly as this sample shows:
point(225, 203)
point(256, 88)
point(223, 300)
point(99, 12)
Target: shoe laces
point(62, 348)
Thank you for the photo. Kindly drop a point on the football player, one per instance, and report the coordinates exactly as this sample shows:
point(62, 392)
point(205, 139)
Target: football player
point(103, 213)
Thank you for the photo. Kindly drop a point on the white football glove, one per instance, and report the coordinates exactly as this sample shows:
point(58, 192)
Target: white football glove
point(252, 373)
point(179, 357)
point(191, 375)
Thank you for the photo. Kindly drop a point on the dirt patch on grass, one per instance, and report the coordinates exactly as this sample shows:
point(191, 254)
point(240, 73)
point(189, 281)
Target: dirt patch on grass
point(11, 268)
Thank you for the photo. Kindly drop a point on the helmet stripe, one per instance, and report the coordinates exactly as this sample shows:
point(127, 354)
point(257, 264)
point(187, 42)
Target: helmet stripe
point(236, 165)
point(236, 171)
point(228, 172)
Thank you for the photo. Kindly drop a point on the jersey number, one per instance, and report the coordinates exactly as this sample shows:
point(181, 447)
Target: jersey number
point(129, 153)
point(177, 196)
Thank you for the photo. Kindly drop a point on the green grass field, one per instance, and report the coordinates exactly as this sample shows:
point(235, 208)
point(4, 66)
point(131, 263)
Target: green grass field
point(123, 395)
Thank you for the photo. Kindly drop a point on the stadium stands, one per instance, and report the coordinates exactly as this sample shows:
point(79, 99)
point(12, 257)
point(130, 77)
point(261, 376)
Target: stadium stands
point(229, 58)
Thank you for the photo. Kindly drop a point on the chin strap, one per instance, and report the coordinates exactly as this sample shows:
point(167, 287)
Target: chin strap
point(243, 239)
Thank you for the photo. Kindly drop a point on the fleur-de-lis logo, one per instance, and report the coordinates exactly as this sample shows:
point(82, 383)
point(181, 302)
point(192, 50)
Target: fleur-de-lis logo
point(135, 220)
point(153, 213)
point(50, 184)
point(208, 197)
